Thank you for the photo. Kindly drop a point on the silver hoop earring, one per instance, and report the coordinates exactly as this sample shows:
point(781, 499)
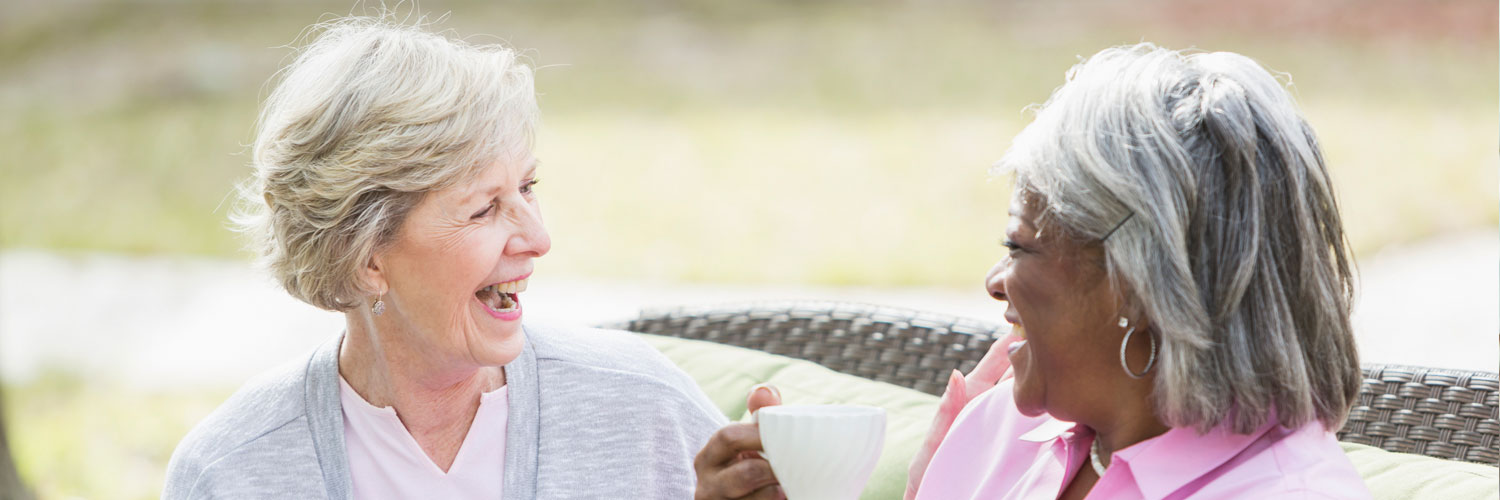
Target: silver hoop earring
point(1124, 343)
point(379, 307)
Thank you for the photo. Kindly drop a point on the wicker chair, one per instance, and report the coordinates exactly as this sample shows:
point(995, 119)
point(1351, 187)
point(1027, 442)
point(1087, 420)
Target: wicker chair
point(1441, 413)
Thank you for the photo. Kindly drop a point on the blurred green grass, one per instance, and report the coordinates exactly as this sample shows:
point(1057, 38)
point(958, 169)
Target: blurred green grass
point(817, 142)
point(74, 438)
point(830, 142)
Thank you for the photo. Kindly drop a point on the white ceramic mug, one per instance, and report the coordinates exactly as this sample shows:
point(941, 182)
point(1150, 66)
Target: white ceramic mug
point(822, 452)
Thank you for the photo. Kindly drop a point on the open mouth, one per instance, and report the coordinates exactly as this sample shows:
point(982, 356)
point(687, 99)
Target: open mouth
point(502, 297)
point(1019, 332)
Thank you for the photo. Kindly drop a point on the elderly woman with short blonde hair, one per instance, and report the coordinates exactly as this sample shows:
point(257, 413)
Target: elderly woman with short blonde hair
point(395, 184)
point(1179, 287)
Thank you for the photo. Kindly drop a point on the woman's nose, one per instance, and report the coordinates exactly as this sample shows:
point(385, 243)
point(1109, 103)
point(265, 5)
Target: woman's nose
point(531, 236)
point(994, 282)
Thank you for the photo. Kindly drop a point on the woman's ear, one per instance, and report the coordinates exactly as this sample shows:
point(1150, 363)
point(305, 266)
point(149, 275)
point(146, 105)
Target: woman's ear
point(1132, 314)
point(1141, 323)
point(372, 275)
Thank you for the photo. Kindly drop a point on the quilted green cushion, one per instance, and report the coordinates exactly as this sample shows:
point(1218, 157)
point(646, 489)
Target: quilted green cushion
point(726, 373)
point(1393, 476)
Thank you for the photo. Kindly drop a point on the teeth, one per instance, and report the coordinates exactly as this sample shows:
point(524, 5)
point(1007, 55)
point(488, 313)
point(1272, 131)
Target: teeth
point(510, 287)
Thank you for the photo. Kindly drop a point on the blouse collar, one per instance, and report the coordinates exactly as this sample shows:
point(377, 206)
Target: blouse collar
point(1165, 463)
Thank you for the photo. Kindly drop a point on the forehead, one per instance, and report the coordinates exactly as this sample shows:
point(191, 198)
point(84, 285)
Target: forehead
point(1025, 206)
point(485, 181)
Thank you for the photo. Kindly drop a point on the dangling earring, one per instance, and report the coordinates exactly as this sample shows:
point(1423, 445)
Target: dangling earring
point(379, 307)
point(1125, 323)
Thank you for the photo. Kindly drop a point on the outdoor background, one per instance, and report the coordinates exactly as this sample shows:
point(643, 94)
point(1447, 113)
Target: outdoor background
point(694, 151)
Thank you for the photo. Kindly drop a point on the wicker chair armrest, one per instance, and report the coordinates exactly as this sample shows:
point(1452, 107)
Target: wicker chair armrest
point(1427, 411)
point(1442, 413)
point(905, 347)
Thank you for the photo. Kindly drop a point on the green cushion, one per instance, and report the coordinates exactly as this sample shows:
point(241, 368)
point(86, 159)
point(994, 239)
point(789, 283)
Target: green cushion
point(1393, 476)
point(726, 373)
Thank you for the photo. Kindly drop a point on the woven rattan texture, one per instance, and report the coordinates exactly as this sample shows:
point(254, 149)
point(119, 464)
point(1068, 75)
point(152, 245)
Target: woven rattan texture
point(1440, 413)
point(1428, 411)
point(900, 346)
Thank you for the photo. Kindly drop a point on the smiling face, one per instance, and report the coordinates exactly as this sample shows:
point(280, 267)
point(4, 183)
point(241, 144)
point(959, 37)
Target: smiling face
point(1057, 293)
point(457, 266)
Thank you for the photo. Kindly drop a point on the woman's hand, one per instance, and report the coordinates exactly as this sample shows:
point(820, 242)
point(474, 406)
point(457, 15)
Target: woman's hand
point(729, 466)
point(992, 368)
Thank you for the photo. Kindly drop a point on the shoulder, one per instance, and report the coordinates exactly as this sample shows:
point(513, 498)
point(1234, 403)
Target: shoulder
point(1304, 463)
point(264, 411)
point(614, 355)
point(1312, 465)
point(590, 346)
point(613, 405)
point(614, 370)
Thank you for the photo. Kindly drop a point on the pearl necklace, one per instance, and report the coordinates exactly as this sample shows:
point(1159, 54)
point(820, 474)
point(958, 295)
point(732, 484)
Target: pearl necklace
point(1094, 458)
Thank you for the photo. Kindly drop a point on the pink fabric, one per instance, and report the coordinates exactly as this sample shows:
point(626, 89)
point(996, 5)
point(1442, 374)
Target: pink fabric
point(994, 452)
point(386, 462)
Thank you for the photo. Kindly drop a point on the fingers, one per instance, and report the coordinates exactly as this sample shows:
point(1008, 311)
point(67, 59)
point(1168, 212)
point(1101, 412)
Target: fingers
point(948, 407)
point(953, 401)
point(991, 367)
point(746, 479)
point(772, 492)
point(726, 444)
point(729, 467)
point(761, 396)
point(956, 393)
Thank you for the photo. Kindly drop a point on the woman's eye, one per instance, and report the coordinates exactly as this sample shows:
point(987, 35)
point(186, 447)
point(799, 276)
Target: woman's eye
point(528, 186)
point(1014, 248)
point(483, 213)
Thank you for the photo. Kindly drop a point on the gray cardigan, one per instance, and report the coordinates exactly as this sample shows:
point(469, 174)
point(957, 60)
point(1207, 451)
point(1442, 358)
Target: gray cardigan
point(593, 414)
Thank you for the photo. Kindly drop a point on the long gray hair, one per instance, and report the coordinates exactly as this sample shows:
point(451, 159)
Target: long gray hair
point(1231, 243)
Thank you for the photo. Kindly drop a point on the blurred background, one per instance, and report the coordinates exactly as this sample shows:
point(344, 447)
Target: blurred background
point(694, 151)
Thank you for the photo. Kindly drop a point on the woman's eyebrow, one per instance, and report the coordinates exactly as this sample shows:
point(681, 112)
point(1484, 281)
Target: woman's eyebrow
point(480, 193)
point(1020, 220)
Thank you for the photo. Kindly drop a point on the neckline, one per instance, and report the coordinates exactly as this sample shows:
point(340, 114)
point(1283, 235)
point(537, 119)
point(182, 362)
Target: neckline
point(385, 424)
point(347, 391)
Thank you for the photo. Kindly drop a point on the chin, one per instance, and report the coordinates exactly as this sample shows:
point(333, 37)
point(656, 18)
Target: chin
point(498, 347)
point(1027, 409)
point(1028, 401)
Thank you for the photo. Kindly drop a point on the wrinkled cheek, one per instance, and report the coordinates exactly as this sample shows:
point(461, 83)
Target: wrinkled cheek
point(1030, 386)
point(465, 322)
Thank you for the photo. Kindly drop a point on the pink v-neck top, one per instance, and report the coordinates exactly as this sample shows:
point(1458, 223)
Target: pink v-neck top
point(994, 452)
point(385, 461)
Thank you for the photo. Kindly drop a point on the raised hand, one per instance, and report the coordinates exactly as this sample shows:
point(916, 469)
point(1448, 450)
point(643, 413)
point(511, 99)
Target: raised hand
point(992, 368)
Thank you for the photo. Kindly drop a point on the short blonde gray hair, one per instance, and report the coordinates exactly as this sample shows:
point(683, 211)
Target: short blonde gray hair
point(369, 117)
point(1231, 242)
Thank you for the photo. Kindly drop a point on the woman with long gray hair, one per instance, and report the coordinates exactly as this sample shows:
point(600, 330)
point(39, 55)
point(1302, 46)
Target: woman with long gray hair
point(395, 183)
point(1179, 287)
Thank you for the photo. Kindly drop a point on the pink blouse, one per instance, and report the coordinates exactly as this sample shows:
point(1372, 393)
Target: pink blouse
point(386, 462)
point(994, 452)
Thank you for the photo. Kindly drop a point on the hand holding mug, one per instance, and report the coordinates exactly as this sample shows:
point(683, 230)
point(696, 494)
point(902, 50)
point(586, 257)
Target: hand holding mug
point(730, 465)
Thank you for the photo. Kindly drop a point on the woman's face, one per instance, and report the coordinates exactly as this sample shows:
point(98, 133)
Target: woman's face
point(456, 269)
point(1057, 294)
